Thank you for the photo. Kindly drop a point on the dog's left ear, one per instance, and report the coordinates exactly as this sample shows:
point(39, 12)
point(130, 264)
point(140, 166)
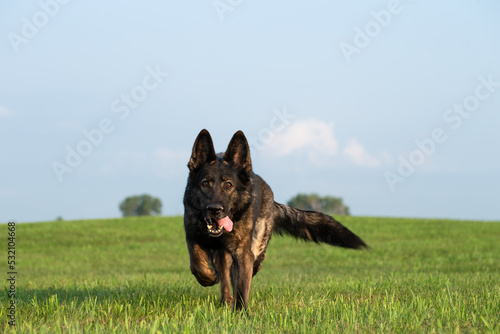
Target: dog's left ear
point(238, 152)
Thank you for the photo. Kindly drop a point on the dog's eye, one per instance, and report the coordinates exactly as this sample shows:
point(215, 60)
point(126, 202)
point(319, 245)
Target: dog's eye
point(228, 185)
point(204, 184)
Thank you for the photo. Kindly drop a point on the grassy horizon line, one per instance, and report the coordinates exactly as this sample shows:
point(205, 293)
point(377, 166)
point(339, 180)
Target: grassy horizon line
point(341, 216)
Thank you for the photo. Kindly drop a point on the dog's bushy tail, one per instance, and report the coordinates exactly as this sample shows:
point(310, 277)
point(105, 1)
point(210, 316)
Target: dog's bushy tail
point(313, 226)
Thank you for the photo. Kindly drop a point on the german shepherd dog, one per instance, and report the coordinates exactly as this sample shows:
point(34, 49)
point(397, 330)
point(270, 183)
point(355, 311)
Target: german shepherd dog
point(230, 214)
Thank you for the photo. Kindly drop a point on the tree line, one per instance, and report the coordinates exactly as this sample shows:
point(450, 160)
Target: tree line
point(147, 205)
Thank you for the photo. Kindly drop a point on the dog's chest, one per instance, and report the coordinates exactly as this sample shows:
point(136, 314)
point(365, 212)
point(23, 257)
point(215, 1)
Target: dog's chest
point(260, 236)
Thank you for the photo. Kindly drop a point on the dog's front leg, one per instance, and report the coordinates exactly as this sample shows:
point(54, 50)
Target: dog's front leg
point(222, 262)
point(199, 265)
point(242, 271)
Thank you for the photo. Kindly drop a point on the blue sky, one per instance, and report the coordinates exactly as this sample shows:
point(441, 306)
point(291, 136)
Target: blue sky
point(392, 105)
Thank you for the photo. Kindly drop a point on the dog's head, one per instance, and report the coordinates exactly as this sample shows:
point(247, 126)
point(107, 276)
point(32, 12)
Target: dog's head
point(220, 183)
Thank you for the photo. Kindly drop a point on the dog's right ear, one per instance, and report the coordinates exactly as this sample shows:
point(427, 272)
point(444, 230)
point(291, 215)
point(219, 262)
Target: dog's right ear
point(203, 150)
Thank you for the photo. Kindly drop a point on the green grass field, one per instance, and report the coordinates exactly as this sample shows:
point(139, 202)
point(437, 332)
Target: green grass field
point(132, 275)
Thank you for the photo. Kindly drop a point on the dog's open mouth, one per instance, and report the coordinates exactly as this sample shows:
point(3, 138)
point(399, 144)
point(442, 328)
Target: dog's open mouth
point(216, 227)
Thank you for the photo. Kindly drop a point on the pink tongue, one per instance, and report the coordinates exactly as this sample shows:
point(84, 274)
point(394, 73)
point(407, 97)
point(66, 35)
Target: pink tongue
point(227, 223)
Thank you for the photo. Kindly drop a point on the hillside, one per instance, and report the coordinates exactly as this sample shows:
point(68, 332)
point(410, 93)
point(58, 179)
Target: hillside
point(133, 274)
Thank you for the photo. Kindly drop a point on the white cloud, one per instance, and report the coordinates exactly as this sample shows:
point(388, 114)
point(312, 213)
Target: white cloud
point(316, 140)
point(356, 153)
point(312, 135)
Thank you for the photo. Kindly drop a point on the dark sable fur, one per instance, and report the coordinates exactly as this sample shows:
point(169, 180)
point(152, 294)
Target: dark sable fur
point(221, 185)
point(313, 226)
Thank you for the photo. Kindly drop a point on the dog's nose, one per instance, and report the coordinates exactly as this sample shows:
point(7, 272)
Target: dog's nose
point(214, 209)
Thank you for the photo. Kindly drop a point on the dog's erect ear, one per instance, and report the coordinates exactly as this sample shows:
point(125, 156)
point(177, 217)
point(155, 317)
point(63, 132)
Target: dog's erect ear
point(238, 152)
point(203, 150)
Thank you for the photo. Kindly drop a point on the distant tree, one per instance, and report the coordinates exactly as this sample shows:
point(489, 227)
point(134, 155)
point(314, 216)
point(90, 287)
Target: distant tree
point(326, 204)
point(143, 205)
